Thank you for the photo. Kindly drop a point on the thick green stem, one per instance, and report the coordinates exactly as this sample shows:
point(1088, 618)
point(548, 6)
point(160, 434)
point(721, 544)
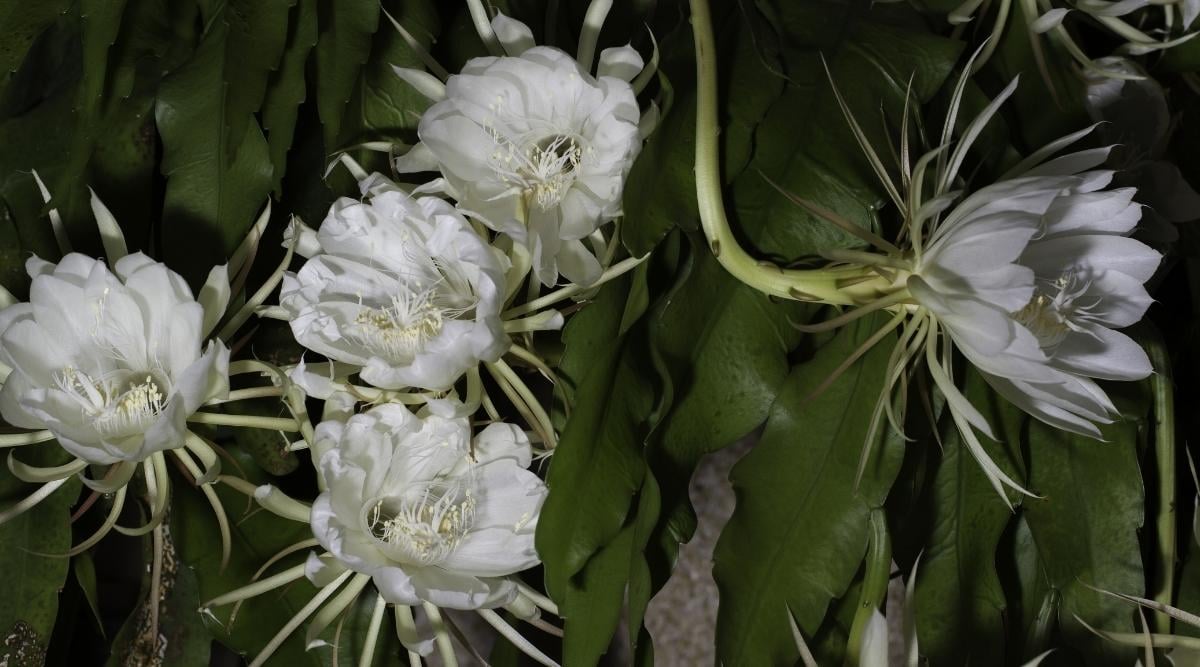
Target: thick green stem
point(813, 285)
point(1165, 460)
point(875, 584)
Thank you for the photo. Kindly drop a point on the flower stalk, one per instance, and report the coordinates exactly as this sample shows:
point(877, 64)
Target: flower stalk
point(1165, 463)
point(875, 584)
point(814, 285)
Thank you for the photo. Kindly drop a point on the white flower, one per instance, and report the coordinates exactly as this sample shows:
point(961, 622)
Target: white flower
point(403, 288)
point(112, 365)
point(430, 513)
point(1030, 276)
point(536, 147)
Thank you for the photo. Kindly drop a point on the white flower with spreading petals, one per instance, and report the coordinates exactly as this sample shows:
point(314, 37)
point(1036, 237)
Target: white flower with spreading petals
point(535, 146)
point(1030, 276)
point(402, 288)
point(430, 513)
point(111, 362)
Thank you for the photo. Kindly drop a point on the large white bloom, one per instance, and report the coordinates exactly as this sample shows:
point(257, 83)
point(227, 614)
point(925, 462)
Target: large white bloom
point(403, 288)
point(1030, 276)
point(429, 512)
point(537, 147)
point(112, 365)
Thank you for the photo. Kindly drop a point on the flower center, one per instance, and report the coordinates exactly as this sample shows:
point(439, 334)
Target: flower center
point(1049, 313)
point(543, 169)
point(399, 331)
point(424, 525)
point(117, 406)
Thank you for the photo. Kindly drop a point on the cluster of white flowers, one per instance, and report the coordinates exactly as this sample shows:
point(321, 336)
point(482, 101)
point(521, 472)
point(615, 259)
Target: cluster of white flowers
point(409, 292)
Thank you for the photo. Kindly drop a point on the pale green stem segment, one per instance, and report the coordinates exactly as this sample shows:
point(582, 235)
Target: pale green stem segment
point(37, 475)
point(483, 26)
point(250, 392)
point(1156, 639)
point(524, 400)
point(156, 566)
point(248, 421)
point(22, 439)
point(255, 300)
point(258, 588)
point(510, 633)
point(540, 600)
point(875, 583)
point(406, 632)
point(571, 290)
point(31, 500)
point(213, 501)
point(441, 635)
point(306, 611)
point(812, 285)
point(589, 35)
point(283, 553)
point(109, 522)
point(333, 609)
point(158, 497)
point(368, 652)
point(1165, 461)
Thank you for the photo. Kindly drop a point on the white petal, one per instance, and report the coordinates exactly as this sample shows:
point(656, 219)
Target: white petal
point(499, 441)
point(1056, 256)
point(1102, 353)
point(214, 297)
point(621, 62)
point(423, 82)
point(516, 37)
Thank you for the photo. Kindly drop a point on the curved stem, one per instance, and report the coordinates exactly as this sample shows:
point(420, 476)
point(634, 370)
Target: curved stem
point(306, 611)
point(31, 500)
point(441, 635)
point(510, 633)
point(214, 501)
point(813, 285)
point(248, 421)
point(155, 585)
point(875, 583)
point(258, 588)
point(557, 295)
point(249, 392)
point(1165, 462)
point(368, 652)
point(22, 439)
point(519, 392)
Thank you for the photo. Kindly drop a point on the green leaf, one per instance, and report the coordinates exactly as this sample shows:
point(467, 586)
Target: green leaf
point(355, 624)
point(85, 575)
point(724, 349)
point(254, 34)
point(216, 182)
point(31, 545)
point(181, 640)
point(100, 21)
point(1086, 530)
point(599, 454)
point(800, 528)
point(960, 605)
point(804, 144)
point(20, 25)
point(384, 106)
point(343, 44)
point(257, 535)
point(1039, 115)
point(661, 190)
point(287, 88)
